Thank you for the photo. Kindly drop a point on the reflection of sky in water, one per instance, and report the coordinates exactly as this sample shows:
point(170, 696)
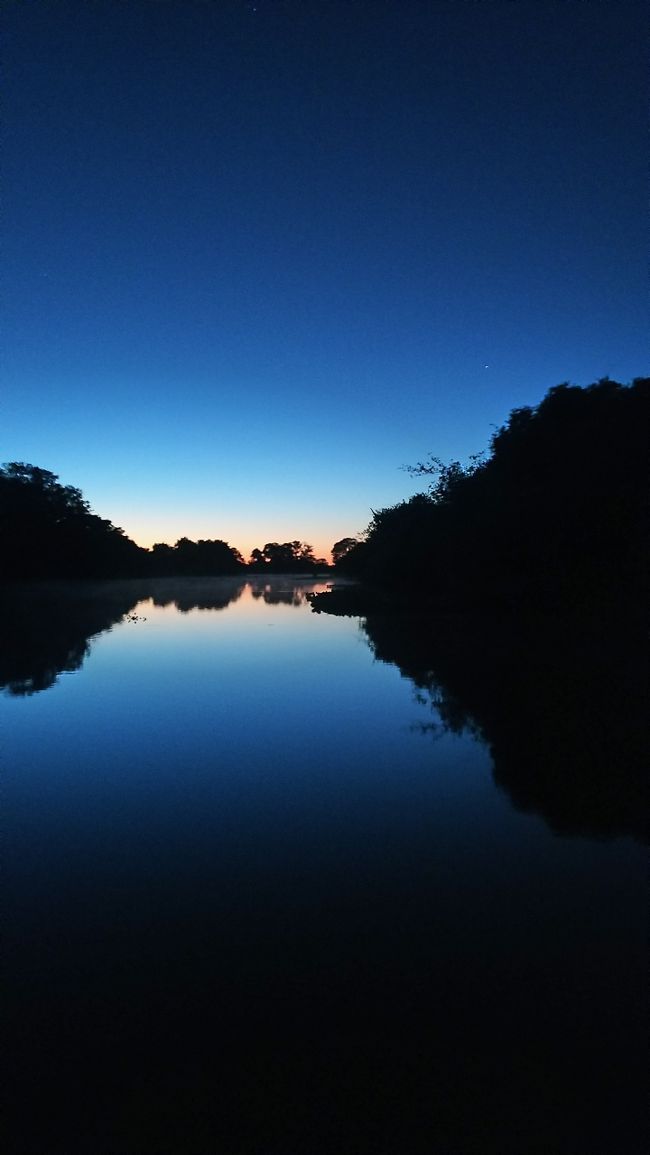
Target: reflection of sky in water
point(260, 705)
point(268, 731)
point(251, 779)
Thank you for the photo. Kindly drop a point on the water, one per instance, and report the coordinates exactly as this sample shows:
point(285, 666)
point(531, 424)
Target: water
point(258, 899)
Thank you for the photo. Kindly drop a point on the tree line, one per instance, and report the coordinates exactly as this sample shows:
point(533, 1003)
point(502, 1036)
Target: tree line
point(48, 530)
point(554, 515)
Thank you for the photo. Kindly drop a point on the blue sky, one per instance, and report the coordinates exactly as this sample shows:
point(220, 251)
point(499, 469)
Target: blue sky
point(257, 257)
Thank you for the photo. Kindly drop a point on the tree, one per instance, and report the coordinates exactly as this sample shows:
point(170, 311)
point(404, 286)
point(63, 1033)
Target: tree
point(203, 558)
point(48, 530)
point(287, 557)
point(340, 548)
point(556, 515)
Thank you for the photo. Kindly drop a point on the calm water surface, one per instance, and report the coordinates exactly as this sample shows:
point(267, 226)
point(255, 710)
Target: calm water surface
point(256, 902)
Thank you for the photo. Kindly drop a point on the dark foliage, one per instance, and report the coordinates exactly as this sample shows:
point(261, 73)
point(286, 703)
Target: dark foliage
point(195, 559)
point(343, 547)
point(556, 514)
point(48, 530)
point(287, 557)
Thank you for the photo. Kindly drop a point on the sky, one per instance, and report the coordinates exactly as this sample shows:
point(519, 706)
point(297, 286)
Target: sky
point(258, 257)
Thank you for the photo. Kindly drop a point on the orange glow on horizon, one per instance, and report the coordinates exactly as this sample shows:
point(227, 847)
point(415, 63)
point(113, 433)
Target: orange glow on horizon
point(146, 540)
point(241, 530)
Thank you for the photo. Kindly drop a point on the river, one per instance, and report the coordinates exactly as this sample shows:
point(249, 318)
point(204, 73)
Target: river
point(268, 891)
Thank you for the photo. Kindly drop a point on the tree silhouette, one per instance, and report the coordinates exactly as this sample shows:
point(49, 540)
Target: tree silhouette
point(340, 548)
point(288, 557)
point(556, 514)
point(198, 558)
point(48, 530)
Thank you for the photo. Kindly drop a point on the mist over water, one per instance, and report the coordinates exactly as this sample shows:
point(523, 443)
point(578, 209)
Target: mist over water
point(262, 898)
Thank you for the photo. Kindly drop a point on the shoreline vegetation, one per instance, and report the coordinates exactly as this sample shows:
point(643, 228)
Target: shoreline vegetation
point(554, 516)
point(522, 615)
point(511, 593)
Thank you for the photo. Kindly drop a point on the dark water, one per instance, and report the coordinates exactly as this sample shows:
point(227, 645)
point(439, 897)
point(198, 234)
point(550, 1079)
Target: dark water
point(260, 898)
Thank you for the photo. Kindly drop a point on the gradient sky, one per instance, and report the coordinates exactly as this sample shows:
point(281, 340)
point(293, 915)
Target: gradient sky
point(258, 256)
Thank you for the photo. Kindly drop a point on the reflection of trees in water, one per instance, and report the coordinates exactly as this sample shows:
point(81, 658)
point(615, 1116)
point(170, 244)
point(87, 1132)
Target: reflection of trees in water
point(197, 593)
point(562, 712)
point(42, 675)
point(562, 709)
point(276, 594)
point(46, 629)
point(559, 703)
point(200, 594)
